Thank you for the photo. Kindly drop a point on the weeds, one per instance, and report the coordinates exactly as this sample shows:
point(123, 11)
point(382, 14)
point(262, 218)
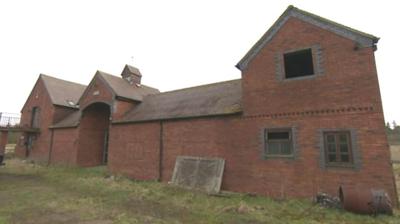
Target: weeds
point(32, 193)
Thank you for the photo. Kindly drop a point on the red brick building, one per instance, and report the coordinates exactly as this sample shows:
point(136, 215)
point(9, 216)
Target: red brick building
point(305, 117)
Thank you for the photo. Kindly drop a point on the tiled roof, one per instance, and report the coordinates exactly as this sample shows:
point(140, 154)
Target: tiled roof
point(62, 92)
point(208, 100)
point(222, 98)
point(71, 120)
point(123, 89)
point(132, 70)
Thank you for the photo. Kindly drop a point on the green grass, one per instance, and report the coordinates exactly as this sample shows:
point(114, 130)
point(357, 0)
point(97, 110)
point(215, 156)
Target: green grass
point(36, 194)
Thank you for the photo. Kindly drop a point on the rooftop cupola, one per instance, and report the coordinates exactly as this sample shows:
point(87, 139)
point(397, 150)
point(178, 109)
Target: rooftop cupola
point(131, 75)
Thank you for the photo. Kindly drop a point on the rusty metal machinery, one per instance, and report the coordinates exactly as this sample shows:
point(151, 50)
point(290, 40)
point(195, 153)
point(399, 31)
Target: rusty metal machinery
point(365, 200)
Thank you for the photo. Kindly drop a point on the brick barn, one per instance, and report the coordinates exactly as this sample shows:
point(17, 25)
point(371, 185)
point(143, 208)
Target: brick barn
point(306, 116)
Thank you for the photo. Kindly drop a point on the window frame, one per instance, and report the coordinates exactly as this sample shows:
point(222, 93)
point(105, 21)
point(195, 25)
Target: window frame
point(266, 143)
point(296, 52)
point(317, 60)
point(35, 117)
point(338, 154)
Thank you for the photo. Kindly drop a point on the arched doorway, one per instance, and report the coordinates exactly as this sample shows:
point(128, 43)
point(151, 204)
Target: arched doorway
point(93, 135)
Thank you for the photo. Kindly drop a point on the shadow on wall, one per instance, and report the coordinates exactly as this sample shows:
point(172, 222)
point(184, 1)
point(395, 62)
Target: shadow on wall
point(93, 135)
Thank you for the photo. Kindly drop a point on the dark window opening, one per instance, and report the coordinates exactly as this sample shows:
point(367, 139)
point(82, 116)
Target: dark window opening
point(338, 148)
point(278, 142)
point(278, 135)
point(35, 117)
point(298, 64)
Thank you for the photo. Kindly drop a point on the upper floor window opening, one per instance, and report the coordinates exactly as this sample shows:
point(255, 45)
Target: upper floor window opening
point(298, 63)
point(35, 117)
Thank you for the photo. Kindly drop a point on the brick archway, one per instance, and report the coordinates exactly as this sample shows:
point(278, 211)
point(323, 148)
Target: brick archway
point(93, 135)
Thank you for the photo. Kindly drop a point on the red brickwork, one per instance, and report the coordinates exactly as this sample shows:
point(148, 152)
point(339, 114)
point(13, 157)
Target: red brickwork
point(97, 91)
point(3, 142)
point(41, 144)
point(134, 150)
point(344, 95)
point(84, 144)
point(65, 146)
point(349, 76)
point(92, 130)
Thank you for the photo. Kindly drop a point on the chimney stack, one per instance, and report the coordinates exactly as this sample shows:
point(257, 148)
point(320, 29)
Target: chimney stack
point(131, 75)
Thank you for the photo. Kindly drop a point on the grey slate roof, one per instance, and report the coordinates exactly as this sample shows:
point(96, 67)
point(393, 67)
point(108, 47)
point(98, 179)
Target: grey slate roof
point(119, 86)
point(61, 91)
point(123, 89)
point(363, 39)
point(132, 69)
point(222, 98)
point(71, 120)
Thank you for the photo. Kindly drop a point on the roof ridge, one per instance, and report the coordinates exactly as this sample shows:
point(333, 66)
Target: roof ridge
point(105, 73)
point(60, 90)
point(114, 76)
point(193, 87)
point(361, 38)
point(52, 77)
point(333, 22)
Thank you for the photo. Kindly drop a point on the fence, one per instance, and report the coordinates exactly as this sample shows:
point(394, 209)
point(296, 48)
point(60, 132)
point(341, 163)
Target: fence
point(9, 119)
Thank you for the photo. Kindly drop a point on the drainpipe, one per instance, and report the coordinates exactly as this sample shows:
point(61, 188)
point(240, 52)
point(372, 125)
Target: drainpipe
point(51, 147)
point(161, 149)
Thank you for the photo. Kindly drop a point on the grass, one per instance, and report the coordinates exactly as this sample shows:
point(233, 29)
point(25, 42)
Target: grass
point(32, 193)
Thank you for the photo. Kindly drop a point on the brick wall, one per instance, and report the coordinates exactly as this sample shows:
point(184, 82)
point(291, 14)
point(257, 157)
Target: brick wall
point(38, 98)
point(343, 95)
point(97, 91)
point(348, 77)
point(65, 145)
point(92, 130)
point(3, 142)
point(134, 152)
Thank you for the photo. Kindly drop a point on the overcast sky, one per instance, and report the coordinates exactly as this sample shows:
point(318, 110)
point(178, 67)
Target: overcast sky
point(175, 44)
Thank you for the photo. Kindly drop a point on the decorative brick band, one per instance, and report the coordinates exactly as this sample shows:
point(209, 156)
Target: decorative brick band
point(313, 112)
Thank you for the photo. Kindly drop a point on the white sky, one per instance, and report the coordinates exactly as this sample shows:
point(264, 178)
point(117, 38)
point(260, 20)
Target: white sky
point(175, 44)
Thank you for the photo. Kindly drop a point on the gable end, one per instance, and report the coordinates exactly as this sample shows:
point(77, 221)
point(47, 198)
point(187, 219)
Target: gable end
point(362, 39)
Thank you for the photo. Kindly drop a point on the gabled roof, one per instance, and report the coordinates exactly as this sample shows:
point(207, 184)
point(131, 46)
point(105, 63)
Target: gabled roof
point(222, 98)
point(125, 90)
point(62, 92)
point(131, 69)
point(118, 86)
point(361, 38)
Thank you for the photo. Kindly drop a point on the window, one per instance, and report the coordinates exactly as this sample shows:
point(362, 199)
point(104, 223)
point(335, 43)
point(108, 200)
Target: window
point(337, 146)
point(298, 64)
point(278, 142)
point(35, 117)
